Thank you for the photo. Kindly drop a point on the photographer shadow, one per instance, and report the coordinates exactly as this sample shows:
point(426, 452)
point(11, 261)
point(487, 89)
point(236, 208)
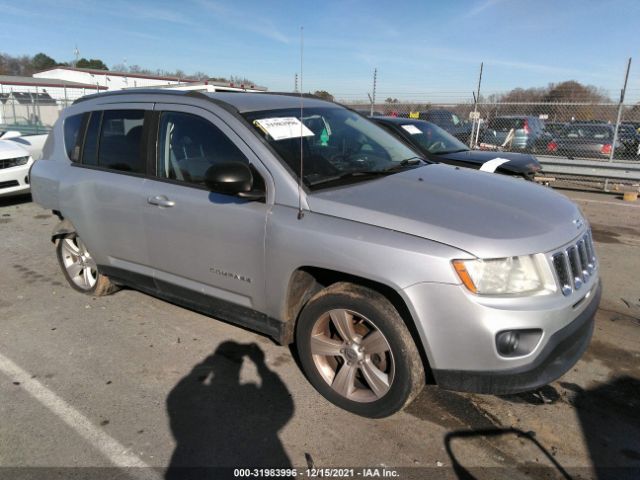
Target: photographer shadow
point(219, 422)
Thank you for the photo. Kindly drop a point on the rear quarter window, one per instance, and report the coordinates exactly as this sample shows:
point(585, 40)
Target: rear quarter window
point(506, 124)
point(72, 137)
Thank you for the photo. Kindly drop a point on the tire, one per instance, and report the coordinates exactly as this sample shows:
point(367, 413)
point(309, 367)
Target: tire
point(80, 269)
point(372, 368)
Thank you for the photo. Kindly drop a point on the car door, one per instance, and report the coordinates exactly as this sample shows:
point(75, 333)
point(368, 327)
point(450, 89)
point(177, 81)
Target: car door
point(203, 244)
point(104, 197)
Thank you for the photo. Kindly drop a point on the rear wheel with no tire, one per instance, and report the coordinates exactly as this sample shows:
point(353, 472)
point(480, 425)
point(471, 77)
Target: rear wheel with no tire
point(80, 268)
point(357, 351)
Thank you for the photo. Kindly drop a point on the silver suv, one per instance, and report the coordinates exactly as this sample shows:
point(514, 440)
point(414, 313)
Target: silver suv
point(386, 271)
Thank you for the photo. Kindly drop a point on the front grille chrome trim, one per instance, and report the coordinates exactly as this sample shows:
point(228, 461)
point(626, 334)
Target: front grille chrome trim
point(574, 265)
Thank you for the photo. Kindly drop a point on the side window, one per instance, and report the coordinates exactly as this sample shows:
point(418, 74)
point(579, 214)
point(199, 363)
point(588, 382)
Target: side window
point(120, 144)
point(188, 145)
point(90, 150)
point(72, 137)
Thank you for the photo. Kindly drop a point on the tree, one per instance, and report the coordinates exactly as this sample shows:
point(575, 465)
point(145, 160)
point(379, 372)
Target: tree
point(572, 91)
point(323, 94)
point(94, 63)
point(119, 67)
point(42, 61)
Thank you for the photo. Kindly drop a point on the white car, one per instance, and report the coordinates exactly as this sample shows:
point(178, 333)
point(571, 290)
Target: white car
point(15, 162)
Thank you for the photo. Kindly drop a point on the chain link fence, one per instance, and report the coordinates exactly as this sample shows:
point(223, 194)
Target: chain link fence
point(34, 111)
point(580, 131)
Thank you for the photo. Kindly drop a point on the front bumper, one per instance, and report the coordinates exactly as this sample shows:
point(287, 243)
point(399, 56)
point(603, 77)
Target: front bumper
point(561, 352)
point(15, 180)
point(459, 330)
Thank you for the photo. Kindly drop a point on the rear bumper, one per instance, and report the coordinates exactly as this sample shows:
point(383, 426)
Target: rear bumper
point(563, 349)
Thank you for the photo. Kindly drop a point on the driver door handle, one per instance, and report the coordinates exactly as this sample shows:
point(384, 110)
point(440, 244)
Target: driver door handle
point(160, 201)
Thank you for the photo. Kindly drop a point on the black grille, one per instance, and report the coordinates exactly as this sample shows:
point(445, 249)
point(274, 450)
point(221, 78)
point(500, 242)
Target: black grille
point(10, 183)
point(575, 265)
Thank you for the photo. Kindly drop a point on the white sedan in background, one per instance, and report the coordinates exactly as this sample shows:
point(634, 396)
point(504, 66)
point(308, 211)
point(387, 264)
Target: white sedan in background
point(15, 162)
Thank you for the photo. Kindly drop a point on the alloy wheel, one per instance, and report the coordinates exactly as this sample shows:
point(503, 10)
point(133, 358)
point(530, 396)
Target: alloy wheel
point(352, 355)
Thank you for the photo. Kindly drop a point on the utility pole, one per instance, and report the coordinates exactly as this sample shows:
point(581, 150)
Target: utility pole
point(475, 108)
point(373, 97)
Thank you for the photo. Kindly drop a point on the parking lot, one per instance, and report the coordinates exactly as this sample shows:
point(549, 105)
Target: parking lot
point(132, 381)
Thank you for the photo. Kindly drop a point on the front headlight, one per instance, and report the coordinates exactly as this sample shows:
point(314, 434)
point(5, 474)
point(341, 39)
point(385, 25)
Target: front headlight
point(16, 162)
point(501, 276)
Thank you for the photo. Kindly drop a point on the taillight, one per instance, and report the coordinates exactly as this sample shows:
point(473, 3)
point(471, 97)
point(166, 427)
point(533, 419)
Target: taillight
point(552, 147)
point(526, 127)
point(606, 149)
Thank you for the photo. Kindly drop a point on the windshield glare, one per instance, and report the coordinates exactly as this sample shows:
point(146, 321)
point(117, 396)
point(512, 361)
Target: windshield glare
point(434, 139)
point(336, 142)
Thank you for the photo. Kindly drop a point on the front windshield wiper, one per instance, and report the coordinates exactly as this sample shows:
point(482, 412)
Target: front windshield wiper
point(407, 162)
point(371, 173)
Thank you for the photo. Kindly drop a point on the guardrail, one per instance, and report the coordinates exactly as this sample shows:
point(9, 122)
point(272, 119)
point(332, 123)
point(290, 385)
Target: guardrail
point(629, 171)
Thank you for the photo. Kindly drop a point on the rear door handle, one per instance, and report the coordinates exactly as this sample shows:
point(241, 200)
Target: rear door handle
point(160, 201)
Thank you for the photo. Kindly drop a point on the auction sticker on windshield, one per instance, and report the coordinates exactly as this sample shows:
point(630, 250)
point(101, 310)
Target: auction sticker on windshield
point(412, 129)
point(282, 128)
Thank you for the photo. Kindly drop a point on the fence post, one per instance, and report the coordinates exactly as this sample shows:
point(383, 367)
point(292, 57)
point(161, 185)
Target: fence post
point(475, 107)
point(373, 98)
point(615, 130)
point(37, 114)
point(4, 117)
point(13, 105)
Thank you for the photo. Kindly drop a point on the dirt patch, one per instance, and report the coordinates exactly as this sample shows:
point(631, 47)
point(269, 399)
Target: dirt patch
point(606, 234)
point(281, 360)
point(546, 395)
point(450, 410)
point(618, 360)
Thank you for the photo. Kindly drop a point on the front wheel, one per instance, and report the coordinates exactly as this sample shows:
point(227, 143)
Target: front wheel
point(80, 268)
point(357, 351)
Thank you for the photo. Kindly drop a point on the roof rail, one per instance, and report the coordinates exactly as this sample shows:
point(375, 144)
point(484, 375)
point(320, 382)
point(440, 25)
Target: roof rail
point(115, 93)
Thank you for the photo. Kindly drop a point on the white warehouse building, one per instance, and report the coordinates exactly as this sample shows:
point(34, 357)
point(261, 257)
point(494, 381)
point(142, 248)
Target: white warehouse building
point(109, 80)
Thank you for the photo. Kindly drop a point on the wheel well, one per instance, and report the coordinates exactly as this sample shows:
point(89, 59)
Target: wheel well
point(307, 281)
point(64, 229)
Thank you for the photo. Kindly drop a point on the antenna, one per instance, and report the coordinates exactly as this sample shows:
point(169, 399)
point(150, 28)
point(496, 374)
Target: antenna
point(76, 53)
point(300, 185)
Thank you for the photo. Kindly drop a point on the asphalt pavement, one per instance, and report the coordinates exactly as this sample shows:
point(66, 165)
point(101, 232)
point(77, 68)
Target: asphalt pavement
point(130, 386)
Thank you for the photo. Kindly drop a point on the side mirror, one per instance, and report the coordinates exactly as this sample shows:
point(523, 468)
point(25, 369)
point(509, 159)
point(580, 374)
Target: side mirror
point(232, 178)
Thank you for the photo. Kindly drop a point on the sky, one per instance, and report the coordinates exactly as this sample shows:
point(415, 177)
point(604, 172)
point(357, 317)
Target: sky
point(422, 50)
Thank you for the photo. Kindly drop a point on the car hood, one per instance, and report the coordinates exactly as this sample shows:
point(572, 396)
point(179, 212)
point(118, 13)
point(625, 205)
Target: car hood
point(518, 162)
point(9, 149)
point(487, 215)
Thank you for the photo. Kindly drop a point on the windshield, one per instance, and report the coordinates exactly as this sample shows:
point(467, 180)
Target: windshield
point(337, 144)
point(591, 132)
point(504, 124)
point(432, 138)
